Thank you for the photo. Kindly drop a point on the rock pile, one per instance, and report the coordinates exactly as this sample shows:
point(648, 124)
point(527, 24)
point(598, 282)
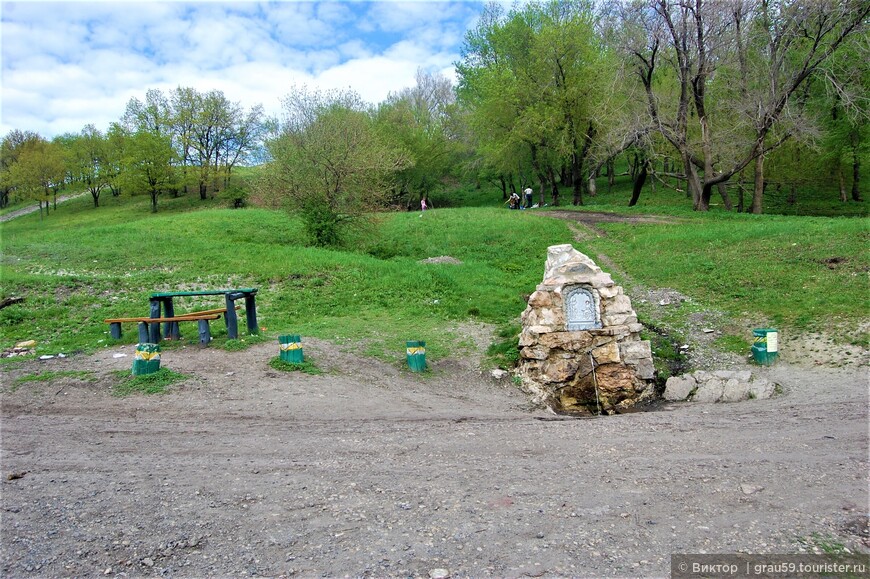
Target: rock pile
point(580, 347)
point(719, 386)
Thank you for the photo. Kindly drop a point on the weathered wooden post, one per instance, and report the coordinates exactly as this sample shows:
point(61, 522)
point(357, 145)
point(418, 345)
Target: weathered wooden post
point(251, 313)
point(231, 318)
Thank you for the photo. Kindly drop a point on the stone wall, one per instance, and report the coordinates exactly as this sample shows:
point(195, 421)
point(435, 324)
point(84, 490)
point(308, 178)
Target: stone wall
point(604, 367)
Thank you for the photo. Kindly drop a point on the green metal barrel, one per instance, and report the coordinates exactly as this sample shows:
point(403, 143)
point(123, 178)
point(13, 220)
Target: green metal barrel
point(146, 360)
point(291, 348)
point(765, 350)
point(416, 354)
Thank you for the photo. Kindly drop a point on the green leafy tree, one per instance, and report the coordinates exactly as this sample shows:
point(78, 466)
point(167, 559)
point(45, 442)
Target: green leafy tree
point(117, 139)
point(88, 161)
point(330, 163)
point(531, 81)
point(725, 81)
point(10, 149)
point(148, 165)
point(418, 118)
point(40, 166)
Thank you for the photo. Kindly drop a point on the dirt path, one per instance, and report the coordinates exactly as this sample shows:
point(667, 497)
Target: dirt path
point(370, 470)
point(34, 208)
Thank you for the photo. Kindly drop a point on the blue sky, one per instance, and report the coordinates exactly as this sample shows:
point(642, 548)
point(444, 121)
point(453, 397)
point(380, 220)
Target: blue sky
point(67, 64)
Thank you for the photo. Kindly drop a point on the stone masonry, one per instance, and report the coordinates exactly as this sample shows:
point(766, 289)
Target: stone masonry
point(580, 347)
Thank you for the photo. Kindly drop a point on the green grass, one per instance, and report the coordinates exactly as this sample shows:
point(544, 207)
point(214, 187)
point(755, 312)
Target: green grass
point(802, 273)
point(734, 344)
point(306, 367)
point(81, 265)
point(503, 352)
point(155, 383)
point(242, 343)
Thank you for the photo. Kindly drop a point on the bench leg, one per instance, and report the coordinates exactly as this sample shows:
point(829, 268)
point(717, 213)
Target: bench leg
point(231, 319)
point(204, 333)
point(170, 329)
point(154, 332)
point(153, 328)
point(251, 314)
point(115, 329)
point(143, 333)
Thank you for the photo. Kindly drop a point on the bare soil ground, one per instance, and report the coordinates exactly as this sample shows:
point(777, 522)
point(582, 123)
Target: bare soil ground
point(371, 470)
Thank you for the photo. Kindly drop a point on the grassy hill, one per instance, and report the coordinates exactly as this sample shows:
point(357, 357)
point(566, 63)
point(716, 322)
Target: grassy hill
point(81, 265)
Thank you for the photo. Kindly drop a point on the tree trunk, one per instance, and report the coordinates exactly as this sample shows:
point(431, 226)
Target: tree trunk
point(693, 185)
point(792, 195)
point(758, 192)
point(554, 187)
point(841, 179)
point(593, 187)
point(611, 169)
point(638, 183)
point(856, 175)
point(504, 194)
point(726, 200)
point(577, 178)
point(741, 190)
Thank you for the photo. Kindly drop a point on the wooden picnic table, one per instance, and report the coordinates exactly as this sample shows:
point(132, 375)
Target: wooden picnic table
point(163, 306)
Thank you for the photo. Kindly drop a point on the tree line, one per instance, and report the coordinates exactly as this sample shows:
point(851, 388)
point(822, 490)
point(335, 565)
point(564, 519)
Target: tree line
point(171, 143)
point(713, 99)
point(699, 93)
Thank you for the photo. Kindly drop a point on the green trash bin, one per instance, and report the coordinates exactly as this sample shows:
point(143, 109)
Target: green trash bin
point(765, 350)
point(146, 360)
point(291, 348)
point(416, 354)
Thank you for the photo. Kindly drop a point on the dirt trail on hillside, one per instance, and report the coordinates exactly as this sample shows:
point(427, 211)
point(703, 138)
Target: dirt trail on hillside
point(34, 208)
point(371, 470)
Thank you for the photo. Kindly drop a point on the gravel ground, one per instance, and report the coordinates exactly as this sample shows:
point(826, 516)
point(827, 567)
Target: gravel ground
point(371, 470)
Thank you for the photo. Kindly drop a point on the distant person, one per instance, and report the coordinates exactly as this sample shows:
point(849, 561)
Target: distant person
point(528, 194)
point(514, 201)
point(423, 206)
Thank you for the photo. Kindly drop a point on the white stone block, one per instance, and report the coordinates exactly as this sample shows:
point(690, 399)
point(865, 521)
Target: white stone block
point(735, 390)
point(709, 391)
point(761, 389)
point(541, 329)
point(644, 369)
point(619, 319)
point(634, 351)
point(620, 304)
point(679, 387)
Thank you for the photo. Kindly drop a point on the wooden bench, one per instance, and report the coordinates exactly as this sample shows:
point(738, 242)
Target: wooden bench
point(162, 305)
point(149, 328)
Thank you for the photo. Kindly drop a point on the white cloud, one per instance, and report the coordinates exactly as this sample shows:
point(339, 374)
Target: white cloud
point(68, 64)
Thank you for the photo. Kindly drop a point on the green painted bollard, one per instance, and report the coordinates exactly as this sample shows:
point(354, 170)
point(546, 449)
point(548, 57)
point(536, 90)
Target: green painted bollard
point(147, 359)
point(416, 354)
point(765, 350)
point(291, 349)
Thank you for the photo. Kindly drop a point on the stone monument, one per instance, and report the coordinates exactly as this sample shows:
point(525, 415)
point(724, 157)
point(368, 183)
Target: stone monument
point(580, 347)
